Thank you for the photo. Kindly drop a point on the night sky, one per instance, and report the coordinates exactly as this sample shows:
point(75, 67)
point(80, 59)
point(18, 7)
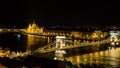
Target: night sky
point(20, 13)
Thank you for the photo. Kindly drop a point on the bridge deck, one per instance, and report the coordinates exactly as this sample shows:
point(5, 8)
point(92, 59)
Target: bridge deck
point(45, 50)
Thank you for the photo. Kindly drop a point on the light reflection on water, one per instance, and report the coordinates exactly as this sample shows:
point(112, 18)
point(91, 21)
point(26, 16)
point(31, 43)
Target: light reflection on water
point(20, 42)
point(108, 57)
point(34, 42)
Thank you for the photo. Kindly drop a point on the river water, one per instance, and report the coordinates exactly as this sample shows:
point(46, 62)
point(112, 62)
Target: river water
point(21, 42)
point(99, 55)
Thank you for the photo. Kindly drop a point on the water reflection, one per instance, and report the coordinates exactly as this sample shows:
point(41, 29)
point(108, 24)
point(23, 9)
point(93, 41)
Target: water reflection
point(108, 57)
point(59, 55)
point(30, 41)
point(18, 36)
point(34, 42)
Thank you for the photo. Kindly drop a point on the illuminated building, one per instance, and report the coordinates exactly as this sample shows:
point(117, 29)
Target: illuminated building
point(76, 34)
point(33, 28)
point(96, 35)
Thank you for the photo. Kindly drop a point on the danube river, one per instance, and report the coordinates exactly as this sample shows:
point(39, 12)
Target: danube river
point(20, 42)
point(84, 57)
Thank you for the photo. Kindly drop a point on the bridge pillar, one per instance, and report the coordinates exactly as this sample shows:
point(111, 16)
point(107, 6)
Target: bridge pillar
point(60, 41)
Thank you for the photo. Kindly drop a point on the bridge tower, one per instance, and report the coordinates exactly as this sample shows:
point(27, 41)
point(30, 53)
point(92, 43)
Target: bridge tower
point(114, 37)
point(60, 41)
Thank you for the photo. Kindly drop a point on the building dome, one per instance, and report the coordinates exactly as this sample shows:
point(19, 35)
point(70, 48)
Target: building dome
point(33, 28)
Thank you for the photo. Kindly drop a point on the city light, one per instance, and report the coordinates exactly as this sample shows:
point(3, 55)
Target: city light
point(62, 41)
point(72, 34)
point(113, 43)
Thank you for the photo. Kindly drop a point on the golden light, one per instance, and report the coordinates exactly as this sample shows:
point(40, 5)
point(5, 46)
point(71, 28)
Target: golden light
point(33, 28)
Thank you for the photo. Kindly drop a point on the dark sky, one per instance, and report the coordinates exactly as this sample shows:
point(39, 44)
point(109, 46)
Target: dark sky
point(20, 13)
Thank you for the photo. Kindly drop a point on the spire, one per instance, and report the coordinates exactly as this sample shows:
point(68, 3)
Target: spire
point(33, 21)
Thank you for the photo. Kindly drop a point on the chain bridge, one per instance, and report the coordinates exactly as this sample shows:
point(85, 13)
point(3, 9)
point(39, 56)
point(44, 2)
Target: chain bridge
point(67, 44)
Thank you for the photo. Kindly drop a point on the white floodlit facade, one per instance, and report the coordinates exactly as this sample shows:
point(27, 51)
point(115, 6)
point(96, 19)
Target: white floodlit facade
point(60, 41)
